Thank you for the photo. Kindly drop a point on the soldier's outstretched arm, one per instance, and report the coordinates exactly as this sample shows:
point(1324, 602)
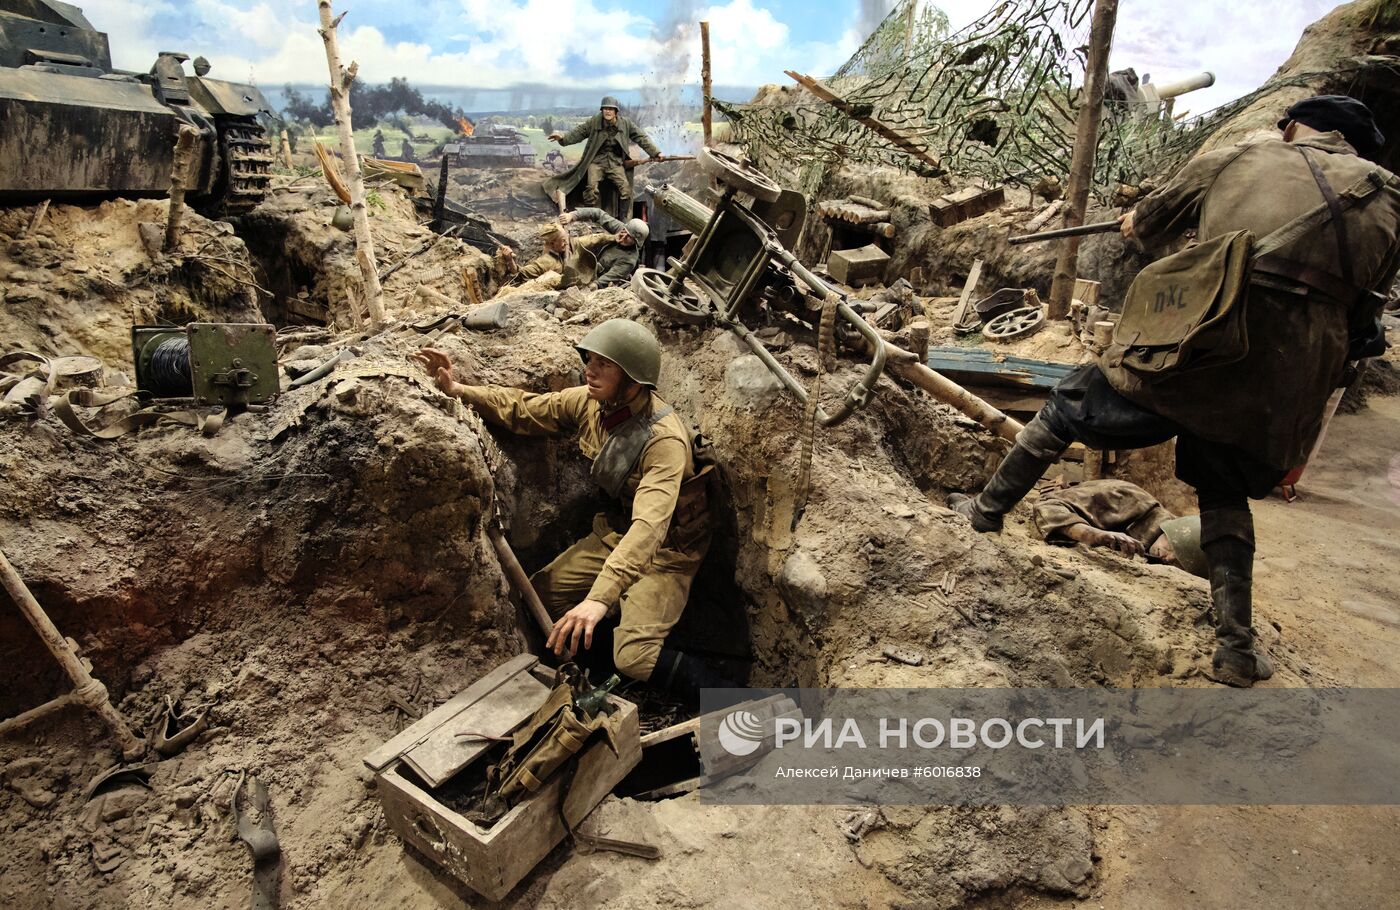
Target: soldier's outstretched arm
point(1165, 213)
point(577, 134)
point(597, 216)
point(640, 137)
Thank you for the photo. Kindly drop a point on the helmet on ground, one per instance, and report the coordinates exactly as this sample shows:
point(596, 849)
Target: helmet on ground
point(629, 345)
point(639, 230)
point(609, 101)
point(1184, 534)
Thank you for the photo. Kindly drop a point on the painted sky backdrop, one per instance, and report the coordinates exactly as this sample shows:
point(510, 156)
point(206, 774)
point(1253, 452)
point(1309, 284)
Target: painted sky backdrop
point(631, 44)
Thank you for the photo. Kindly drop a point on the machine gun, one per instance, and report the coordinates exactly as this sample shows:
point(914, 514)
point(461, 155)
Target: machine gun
point(739, 265)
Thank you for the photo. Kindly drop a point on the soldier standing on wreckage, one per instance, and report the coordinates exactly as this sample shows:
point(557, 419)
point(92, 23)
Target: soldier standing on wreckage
point(610, 136)
point(1241, 424)
point(642, 555)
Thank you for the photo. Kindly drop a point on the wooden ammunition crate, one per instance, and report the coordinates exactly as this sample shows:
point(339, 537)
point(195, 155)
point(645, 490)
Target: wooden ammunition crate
point(429, 754)
point(858, 267)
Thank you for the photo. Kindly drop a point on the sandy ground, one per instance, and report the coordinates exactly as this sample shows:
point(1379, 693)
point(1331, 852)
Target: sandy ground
point(1325, 576)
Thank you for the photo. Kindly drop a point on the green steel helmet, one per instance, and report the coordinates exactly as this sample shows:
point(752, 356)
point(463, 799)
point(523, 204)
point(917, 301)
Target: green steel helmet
point(627, 344)
point(639, 230)
point(1184, 534)
point(609, 101)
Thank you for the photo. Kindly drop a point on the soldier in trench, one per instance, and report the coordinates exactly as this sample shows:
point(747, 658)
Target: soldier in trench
point(638, 562)
point(1243, 421)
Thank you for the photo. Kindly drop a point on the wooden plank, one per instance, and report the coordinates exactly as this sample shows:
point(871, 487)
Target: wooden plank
point(422, 728)
point(902, 142)
point(960, 312)
point(966, 203)
point(1086, 291)
point(443, 753)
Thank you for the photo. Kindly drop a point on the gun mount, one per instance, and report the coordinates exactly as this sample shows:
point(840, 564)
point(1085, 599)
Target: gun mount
point(739, 265)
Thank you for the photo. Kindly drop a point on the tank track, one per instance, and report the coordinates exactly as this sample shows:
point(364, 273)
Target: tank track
point(248, 154)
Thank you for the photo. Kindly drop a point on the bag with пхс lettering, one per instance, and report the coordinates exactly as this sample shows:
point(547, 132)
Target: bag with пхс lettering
point(1186, 311)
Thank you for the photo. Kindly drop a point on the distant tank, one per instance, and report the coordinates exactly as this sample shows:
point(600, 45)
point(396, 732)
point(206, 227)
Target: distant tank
point(502, 146)
point(72, 127)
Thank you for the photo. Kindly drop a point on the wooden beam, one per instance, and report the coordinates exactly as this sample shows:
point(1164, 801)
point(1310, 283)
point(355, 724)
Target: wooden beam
point(707, 114)
point(902, 142)
point(960, 313)
point(1086, 139)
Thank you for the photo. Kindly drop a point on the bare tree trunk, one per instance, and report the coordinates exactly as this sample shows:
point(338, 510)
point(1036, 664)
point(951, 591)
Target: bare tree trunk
point(1086, 141)
point(341, 79)
point(179, 170)
point(706, 116)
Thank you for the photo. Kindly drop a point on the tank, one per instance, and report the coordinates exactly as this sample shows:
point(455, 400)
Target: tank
point(502, 146)
point(73, 128)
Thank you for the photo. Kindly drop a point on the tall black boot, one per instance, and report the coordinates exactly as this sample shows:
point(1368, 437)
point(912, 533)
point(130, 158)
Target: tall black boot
point(682, 676)
point(1227, 538)
point(1036, 449)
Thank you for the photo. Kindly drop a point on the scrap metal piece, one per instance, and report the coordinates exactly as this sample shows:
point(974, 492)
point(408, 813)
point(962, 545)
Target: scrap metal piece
point(739, 174)
point(261, 840)
point(1015, 323)
point(903, 655)
point(653, 287)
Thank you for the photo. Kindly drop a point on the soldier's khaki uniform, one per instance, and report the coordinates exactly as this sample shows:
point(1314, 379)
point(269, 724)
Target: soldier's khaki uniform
point(504, 272)
point(1270, 404)
point(640, 560)
point(1109, 505)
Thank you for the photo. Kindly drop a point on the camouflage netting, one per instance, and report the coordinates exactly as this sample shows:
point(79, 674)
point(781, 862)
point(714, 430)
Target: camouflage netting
point(995, 100)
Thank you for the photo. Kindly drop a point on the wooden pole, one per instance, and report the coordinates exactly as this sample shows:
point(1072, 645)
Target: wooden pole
point(521, 582)
point(707, 114)
point(179, 170)
point(87, 690)
point(903, 363)
point(899, 140)
point(287, 150)
point(1086, 140)
point(341, 79)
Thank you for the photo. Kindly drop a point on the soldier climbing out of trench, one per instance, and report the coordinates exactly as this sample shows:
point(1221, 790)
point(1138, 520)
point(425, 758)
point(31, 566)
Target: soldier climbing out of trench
point(1244, 394)
point(638, 562)
point(610, 136)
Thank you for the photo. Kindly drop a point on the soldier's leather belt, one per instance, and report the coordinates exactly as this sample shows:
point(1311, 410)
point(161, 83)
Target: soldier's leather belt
point(1323, 282)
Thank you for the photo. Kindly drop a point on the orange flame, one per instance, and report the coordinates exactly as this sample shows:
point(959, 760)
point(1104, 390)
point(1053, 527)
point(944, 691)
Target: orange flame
point(466, 126)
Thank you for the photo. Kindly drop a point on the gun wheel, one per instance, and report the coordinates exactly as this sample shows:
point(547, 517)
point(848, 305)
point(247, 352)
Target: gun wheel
point(653, 287)
point(739, 175)
point(1014, 323)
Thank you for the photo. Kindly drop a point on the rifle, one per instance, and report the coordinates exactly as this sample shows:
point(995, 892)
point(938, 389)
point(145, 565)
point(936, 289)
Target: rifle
point(633, 162)
point(1098, 227)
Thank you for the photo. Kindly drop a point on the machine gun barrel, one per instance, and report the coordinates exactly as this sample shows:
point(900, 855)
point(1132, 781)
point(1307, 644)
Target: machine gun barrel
point(1098, 227)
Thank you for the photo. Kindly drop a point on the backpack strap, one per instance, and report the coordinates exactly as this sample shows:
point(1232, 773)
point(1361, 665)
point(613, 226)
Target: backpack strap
point(1319, 215)
point(1334, 209)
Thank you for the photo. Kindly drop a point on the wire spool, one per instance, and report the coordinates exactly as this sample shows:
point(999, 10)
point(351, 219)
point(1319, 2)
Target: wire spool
point(167, 366)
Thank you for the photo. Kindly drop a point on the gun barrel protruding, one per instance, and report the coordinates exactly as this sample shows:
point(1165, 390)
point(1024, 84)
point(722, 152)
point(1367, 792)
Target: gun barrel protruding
point(1098, 227)
point(1182, 86)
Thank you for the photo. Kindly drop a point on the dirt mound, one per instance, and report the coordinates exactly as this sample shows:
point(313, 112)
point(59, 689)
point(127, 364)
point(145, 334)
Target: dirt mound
point(83, 277)
point(317, 560)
